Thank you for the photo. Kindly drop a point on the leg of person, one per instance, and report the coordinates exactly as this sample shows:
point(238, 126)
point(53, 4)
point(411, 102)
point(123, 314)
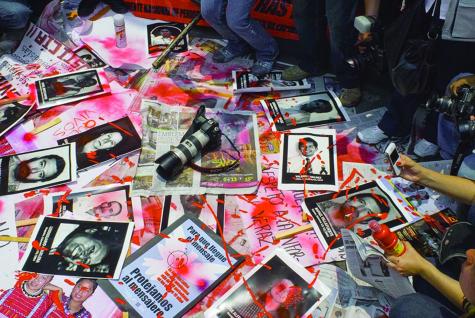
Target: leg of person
point(417, 306)
point(425, 125)
point(118, 6)
point(14, 17)
point(214, 12)
point(341, 15)
point(251, 31)
point(313, 46)
point(396, 121)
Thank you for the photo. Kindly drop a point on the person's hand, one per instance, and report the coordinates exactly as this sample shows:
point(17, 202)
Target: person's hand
point(411, 170)
point(410, 263)
point(468, 80)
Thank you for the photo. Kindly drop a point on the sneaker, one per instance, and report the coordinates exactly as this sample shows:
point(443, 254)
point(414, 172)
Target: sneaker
point(118, 6)
point(262, 68)
point(372, 135)
point(225, 55)
point(294, 73)
point(87, 7)
point(424, 148)
point(350, 97)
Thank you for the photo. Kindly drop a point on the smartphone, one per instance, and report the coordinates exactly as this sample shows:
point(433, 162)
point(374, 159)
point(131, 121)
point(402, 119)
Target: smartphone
point(393, 157)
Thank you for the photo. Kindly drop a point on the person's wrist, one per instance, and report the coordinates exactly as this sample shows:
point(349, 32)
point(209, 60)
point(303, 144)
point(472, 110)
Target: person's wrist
point(426, 176)
point(426, 268)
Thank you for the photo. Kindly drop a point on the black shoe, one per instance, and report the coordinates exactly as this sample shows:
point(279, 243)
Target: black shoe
point(87, 7)
point(118, 6)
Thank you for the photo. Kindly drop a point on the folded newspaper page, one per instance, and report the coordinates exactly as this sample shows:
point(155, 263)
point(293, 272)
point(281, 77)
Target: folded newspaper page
point(367, 263)
point(353, 299)
point(163, 128)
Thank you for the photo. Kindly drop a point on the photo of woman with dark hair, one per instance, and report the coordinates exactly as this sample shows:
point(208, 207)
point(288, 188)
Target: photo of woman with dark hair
point(105, 142)
point(70, 85)
point(11, 114)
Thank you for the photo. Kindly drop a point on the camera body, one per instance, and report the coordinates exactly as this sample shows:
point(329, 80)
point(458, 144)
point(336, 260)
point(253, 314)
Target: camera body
point(373, 52)
point(459, 107)
point(204, 135)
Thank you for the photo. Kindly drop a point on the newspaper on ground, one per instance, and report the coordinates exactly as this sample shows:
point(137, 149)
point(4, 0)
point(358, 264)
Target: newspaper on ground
point(38, 55)
point(163, 128)
point(246, 82)
point(351, 294)
point(368, 263)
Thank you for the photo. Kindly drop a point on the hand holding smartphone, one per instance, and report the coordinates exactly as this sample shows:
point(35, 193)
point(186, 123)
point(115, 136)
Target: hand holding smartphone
point(393, 157)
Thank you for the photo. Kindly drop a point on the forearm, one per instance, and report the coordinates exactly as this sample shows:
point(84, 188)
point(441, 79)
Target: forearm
point(372, 7)
point(446, 285)
point(461, 189)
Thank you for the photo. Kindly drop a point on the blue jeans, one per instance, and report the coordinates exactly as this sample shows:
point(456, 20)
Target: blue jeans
point(14, 14)
point(231, 19)
point(309, 17)
point(419, 306)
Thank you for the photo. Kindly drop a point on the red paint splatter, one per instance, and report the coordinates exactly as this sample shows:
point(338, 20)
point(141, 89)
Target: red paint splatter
point(69, 282)
point(36, 245)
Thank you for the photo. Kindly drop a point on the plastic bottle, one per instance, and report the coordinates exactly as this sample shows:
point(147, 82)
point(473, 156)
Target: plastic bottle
point(119, 26)
point(386, 239)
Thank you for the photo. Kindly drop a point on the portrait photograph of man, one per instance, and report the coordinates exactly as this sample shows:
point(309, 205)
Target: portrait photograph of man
point(78, 247)
point(101, 204)
point(160, 35)
point(308, 159)
point(91, 58)
point(304, 111)
point(37, 169)
point(104, 142)
point(67, 88)
point(355, 209)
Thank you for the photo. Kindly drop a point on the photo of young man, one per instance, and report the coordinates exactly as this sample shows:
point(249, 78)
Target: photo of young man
point(90, 57)
point(73, 304)
point(306, 161)
point(36, 169)
point(160, 35)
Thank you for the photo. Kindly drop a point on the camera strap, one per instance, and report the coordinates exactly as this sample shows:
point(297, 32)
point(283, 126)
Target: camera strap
point(217, 170)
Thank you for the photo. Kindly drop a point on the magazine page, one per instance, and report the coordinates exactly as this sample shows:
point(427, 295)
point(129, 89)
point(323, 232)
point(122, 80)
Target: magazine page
point(353, 209)
point(164, 127)
point(77, 248)
point(308, 160)
point(246, 82)
point(277, 286)
point(37, 55)
point(299, 111)
point(374, 269)
point(185, 262)
point(426, 234)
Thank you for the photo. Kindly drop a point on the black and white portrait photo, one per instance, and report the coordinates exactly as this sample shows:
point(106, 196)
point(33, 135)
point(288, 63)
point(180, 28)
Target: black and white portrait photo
point(78, 248)
point(246, 82)
point(62, 89)
point(99, 203)
point(160, 35)
point(354, 209)
point(279, 284)
point(37, 169)
point(91, 58)
point(308, 160)
point(11, 114)
point(304, 111)
point(104, 142)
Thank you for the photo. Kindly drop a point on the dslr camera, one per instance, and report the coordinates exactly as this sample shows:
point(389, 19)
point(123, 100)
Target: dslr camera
point(204, 135)
point(459, 107)
point(372, 52)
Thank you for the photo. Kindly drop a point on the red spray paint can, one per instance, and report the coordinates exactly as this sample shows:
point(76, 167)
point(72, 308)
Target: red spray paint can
point(386, 239)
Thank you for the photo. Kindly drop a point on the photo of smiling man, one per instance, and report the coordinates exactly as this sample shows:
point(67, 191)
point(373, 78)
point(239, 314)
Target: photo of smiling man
point(78, 248)
point(37, 169)
point(105, 142)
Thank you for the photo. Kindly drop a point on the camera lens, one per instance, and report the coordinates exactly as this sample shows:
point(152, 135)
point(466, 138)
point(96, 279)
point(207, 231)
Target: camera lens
point(467, 130)
point(169, 165)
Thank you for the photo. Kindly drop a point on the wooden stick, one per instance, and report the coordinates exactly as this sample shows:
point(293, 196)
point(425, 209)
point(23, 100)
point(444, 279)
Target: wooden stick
point(292, 232)
point(125, 314)
point(305, 217)
point(46, 126)
point(14, 99)
point(26, 222)
point(6, 238)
